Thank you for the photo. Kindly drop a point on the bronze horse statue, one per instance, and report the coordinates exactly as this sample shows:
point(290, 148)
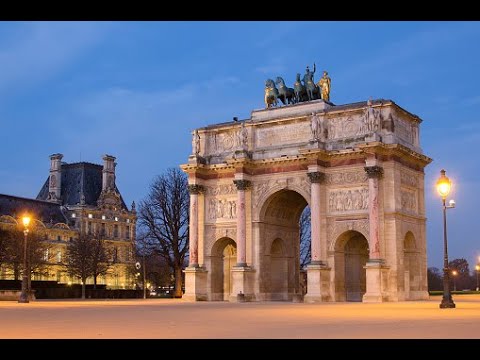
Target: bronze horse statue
point(271, 94)
point(299, 91)
point(286, 94)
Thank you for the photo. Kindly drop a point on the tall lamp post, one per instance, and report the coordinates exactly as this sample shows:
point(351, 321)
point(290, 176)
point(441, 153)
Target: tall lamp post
point(24, 295)
point(477, 267)
point(443, 187)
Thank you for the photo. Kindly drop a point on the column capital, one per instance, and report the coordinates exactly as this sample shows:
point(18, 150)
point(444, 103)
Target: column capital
point(195, 189)
point(242, 184)
point(316, 177)
point(374, 171)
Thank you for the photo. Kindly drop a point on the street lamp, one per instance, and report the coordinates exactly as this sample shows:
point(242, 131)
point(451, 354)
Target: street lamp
point(443, 187)
point(24, 295)
point(477, 267)
point(454, 274)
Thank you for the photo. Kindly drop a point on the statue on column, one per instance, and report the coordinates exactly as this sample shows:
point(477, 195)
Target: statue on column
point(196, 142)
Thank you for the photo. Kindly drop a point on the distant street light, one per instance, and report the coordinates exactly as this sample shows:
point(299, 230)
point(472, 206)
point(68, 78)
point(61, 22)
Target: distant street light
point(25, 294)
point(454, 274)
point(477, 267)
point(443, 187)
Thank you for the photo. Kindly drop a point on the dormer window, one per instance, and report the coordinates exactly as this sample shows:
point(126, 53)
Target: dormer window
point(103, 217)
point(90, 216)
point(74, 215)
point(116, 218)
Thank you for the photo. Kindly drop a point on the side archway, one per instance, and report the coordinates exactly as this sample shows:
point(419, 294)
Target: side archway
point(351, 256)
point(223, 258)
point(412, 263)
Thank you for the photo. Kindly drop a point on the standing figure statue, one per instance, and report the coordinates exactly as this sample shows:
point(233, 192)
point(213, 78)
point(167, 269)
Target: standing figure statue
point(325, 85)
point(312, 89)
point(196, 142)
point(315, 127)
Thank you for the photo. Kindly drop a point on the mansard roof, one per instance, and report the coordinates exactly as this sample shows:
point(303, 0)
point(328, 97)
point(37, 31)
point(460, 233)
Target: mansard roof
point(44, 211)
point(77, 179)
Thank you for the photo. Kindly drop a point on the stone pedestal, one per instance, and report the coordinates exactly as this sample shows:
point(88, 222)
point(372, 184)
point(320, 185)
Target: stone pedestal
point(195, 284)
point(376, 273)
point(318, 284)
point(242, 291)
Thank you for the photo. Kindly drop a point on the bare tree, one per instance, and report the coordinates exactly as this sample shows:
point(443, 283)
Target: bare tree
point(4, 244)
point(163, 217)
point(305, 238)
point(37, 251)
point(99, 258)
point(78, 258)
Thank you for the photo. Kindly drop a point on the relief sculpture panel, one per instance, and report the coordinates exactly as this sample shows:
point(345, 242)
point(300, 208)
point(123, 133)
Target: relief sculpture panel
point(221, 209)
point(408, 200)
point(348, 200)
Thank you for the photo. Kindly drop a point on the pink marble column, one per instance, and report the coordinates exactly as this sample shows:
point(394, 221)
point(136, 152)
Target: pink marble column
point(316, 178)
point(242, 185)
point(373, 173)
point(193, 229)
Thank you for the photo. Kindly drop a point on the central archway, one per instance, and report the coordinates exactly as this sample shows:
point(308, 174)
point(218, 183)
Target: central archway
point(279, 270)
point(351, 256)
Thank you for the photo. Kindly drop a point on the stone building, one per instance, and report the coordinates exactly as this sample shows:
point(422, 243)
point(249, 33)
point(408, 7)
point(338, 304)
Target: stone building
point(360, 169)
point(77, 197)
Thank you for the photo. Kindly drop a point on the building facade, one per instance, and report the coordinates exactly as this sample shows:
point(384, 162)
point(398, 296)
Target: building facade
point(77, 198)
point(360, 169)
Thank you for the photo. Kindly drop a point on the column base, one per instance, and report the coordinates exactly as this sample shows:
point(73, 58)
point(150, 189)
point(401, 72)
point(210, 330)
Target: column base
point(242, 290)
point(377, 275)
point(318, 283)
point(195, 283)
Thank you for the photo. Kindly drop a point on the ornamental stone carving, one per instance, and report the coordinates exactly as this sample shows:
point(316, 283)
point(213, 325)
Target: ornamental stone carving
point(408, 200)
point(242, 184)
point(338, 227)
point(316, 177)
point(195, 189)
point(408, 179)
point(347, 178)
point(374, 171)
point(212, 234)
point(222, 189)
point(348, 200)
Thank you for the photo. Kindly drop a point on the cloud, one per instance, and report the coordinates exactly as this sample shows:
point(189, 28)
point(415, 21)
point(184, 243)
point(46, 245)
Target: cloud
point(35, 51)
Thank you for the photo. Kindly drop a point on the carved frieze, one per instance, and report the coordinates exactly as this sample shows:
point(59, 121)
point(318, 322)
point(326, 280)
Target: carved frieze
point(348, 200)
point(347, 178)
point(212, 234)
point(284, 134)
point(223, 189)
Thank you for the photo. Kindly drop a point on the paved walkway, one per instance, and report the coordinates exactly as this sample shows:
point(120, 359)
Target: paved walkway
point(173, 318)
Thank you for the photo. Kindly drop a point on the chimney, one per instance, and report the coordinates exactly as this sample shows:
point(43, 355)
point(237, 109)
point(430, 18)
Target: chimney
point(108, 178)
point(55, 180)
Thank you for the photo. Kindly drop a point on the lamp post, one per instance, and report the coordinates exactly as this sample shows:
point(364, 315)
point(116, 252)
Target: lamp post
point(477, 267)
point(454, 274)
point(443, 187)
point(24, 295)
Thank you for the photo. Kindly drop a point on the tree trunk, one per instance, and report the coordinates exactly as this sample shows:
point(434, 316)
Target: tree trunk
point(95, 282)
point(16, 271)
point(178, 293)
point(83, 288)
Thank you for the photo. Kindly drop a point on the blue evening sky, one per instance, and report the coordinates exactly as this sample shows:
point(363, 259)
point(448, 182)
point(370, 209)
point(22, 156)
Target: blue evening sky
point(136, 90)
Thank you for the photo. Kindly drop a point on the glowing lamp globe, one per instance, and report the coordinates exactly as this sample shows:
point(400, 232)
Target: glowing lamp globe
point(443, 185)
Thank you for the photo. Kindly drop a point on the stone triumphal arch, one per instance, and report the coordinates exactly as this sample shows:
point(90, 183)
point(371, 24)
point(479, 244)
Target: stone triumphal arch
point(360, 169)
